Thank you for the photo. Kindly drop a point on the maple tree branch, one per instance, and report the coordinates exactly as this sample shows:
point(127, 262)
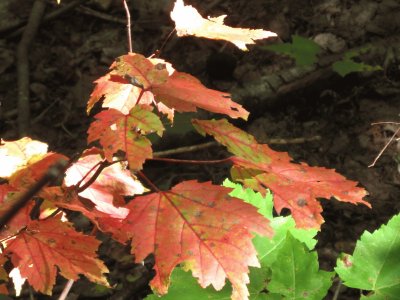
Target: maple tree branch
point(51, 175)
point(188, 161)
point(35, 17)
point(128, 25)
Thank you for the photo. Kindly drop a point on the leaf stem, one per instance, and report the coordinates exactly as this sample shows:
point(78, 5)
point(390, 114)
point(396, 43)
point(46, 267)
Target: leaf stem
point(88, 172)
point(149, 182)
point(140, 96)
point(102, 165)
point(128, 25)
point(189, 161)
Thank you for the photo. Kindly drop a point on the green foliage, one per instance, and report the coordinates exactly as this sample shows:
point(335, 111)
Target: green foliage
point(303, 50)
point(347, 65)
point(185, 286)
point(295, 273)
point(289, 269)
point(375, 264)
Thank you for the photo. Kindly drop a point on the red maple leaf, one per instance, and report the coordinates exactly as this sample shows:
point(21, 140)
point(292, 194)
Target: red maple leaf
point(199, 225)
point(49, 243)
point(117, 131)
point(134, 78)
point(295, 186)
point(8, 195)
point(107, 190)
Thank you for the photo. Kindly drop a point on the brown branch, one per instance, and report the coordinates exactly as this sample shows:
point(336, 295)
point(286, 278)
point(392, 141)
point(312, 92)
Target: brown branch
point(51, 175)
point(35, 17)
point(100, 15)
point(48, 17)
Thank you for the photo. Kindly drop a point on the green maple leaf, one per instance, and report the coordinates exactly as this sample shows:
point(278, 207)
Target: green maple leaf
point(375, 263)
point(302, 50)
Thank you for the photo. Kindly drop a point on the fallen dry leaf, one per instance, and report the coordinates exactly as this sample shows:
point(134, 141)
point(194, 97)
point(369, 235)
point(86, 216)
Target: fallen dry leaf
point(188, 21)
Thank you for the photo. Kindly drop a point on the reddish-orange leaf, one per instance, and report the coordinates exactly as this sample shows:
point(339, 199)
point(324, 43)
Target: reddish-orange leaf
point(8, 195)
point(107, 190)
point(295, 186)
point(200, 225)
point(68, 198)
point(33, 171)
point(185, 93)
point(51, 243)
point(189, 22)
point(117, 131)
point(117, 92)
point(136, 79)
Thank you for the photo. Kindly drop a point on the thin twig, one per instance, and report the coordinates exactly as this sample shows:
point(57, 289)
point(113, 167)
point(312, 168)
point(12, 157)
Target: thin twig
point(277, 141)
point(384, 148)
point(35, 17)
point(337, 291)
point(189, 161)
point(66, 290)
point(185, 149)
point(383, 123)
point(100, 15)
point(50, 16)
point(128, 25)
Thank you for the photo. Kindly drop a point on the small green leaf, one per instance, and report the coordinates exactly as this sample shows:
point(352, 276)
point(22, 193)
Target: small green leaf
point(264, 204)
point(303, 50)
point(375, 264)
point(347, 65)
point(185, 286)
point(295, 273)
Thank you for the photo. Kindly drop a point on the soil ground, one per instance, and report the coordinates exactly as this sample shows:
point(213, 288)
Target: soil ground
point(72, 50)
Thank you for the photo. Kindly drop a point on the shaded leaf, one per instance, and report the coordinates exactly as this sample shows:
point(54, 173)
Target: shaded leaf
point(347, 65)
point(183, 285)
point(295, 273)
point(374, 265)
point(304, 51)
point(295, 186)
point(189, 22)
point(46, 244)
